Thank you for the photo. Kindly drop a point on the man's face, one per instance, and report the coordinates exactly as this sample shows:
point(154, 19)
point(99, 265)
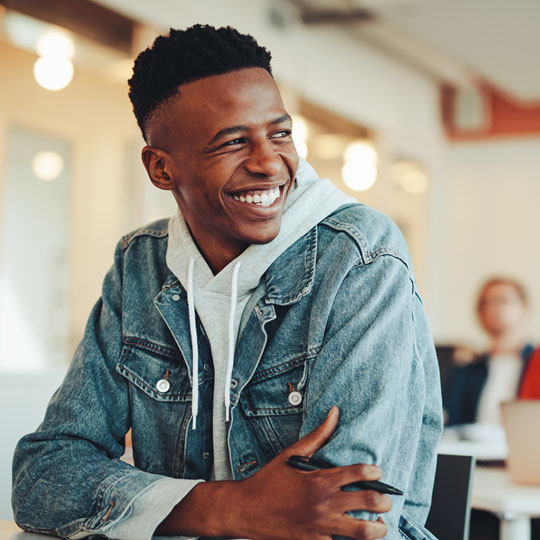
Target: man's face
point(231, 160)
point(501, 309)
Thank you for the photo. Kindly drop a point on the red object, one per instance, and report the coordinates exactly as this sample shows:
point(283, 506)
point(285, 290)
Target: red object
point(530, 386)
point(505, 116)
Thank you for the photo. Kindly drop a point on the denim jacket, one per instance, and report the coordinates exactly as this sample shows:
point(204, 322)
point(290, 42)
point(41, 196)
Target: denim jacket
point(337, 317)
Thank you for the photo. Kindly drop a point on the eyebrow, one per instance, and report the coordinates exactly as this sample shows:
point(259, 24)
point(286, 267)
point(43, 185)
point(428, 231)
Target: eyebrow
point(236, 129)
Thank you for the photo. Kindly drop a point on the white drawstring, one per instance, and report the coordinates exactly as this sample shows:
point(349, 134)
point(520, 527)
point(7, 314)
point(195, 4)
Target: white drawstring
point(230, 359)
point(194, 345)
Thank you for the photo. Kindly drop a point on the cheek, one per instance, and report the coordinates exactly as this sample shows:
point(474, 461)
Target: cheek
point(292, 159)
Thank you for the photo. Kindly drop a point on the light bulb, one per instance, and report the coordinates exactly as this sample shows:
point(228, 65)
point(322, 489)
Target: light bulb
point(47, 166)
point(55, 43)
point(53, 73)
point(359, 175)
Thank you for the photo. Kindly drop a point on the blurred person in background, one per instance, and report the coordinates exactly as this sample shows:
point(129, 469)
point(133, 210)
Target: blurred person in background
point(505, 370)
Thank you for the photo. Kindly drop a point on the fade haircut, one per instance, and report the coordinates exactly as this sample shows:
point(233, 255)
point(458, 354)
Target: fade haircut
point(187, 55)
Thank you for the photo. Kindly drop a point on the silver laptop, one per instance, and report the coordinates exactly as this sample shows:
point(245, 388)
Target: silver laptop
point(521, 421)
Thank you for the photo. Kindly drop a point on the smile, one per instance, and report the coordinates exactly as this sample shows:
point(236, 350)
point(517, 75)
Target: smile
point(259, 197)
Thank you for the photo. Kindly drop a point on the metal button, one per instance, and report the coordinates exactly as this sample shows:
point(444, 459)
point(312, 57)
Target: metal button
point(234, 383)
point(295, 398)
point(163, 386)
point(206, 367)
point(176, 297)
point(206, 455)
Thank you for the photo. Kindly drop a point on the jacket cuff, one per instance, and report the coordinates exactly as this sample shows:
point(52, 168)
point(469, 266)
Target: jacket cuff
point(143, 513)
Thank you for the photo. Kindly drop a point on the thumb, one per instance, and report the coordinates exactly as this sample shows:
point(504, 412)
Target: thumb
point(309, 444)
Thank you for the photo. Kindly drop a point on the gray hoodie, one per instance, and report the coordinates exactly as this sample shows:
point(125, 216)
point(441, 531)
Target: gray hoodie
point(219, 301)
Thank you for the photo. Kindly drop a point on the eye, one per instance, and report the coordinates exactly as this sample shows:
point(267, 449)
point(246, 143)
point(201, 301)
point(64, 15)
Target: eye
point(281, 134)
point(233, 142)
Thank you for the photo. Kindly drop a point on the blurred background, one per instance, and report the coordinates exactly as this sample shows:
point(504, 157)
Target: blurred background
point(428, 110)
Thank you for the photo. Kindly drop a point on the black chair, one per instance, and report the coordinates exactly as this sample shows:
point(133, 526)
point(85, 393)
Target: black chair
point(450, 511)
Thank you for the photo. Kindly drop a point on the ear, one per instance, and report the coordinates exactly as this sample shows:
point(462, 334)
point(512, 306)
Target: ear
point(157, 164)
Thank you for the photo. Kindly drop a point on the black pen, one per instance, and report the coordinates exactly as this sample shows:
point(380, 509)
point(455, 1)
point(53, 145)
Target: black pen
point(304, 463)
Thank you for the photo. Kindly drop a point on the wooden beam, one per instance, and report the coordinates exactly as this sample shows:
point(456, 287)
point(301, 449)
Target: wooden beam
point(332, 122)
point(335, 16)
point(83, 17)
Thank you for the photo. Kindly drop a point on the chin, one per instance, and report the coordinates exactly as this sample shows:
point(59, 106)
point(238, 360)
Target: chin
point(261, 235)
point(262, 238)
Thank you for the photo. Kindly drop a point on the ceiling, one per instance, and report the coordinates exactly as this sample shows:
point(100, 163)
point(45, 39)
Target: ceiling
point(460, 41)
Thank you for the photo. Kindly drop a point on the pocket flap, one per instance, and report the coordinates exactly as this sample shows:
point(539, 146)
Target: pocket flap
point(157, 371)
point(278, 390)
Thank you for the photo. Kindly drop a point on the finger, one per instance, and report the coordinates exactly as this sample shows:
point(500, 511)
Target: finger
point(347, 474)
point(362, 529)
point(369, 500)
point(309, 444)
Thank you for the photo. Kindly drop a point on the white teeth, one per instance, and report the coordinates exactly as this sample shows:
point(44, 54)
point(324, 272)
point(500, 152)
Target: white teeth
point(260, 198)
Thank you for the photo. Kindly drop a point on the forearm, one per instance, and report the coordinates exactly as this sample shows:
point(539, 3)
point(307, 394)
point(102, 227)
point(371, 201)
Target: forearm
point(282, 503)
point(210, 509)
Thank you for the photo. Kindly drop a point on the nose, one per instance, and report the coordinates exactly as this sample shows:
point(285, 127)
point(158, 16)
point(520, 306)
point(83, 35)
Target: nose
point(263, 160)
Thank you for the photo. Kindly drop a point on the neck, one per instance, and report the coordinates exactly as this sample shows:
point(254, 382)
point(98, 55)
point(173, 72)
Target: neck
point(510, 342)
point(218, 256)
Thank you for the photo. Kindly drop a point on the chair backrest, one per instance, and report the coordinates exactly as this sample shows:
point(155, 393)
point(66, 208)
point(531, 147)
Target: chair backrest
point(445, 358)
point(450, 511)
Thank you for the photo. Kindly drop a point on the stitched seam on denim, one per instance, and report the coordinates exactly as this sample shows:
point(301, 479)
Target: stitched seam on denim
point(353, 231)
point(128, 507)
point(127, 239)
point(90, 524)
point(274, 410)
point(167, 352)
point(143, 385)
point(204, 376)
point(147, 388)
point(276, 298)
point(63, 532)
point(397, 257)
point(410, 525)
point(285, 366)
point(128, 510)
point(78, 524)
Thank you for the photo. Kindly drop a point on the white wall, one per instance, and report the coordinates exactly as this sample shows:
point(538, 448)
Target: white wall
point(488, 225)
point(94, 117)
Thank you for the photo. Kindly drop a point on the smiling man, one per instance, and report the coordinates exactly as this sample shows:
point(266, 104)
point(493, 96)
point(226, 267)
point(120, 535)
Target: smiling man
point(271, 316)
point(225, 151)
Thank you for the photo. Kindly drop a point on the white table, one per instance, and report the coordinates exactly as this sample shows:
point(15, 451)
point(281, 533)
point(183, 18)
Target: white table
point(514, 504)
point(10, 531)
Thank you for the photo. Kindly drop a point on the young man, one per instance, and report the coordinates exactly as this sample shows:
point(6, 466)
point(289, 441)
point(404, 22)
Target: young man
point(226, 337)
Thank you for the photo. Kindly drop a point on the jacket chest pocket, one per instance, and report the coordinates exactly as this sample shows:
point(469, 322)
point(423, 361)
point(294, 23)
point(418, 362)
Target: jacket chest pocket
point(160, 400)
point(273, 402)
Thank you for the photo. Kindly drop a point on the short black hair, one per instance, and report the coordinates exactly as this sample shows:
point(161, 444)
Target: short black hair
point(187, 55)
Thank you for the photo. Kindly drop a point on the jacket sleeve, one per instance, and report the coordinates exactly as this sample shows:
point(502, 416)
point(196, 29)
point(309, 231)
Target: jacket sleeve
point(378, 364)
point(68, 478)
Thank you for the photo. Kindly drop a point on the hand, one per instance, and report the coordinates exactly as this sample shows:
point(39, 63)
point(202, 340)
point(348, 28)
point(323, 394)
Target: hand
point(282, 503)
